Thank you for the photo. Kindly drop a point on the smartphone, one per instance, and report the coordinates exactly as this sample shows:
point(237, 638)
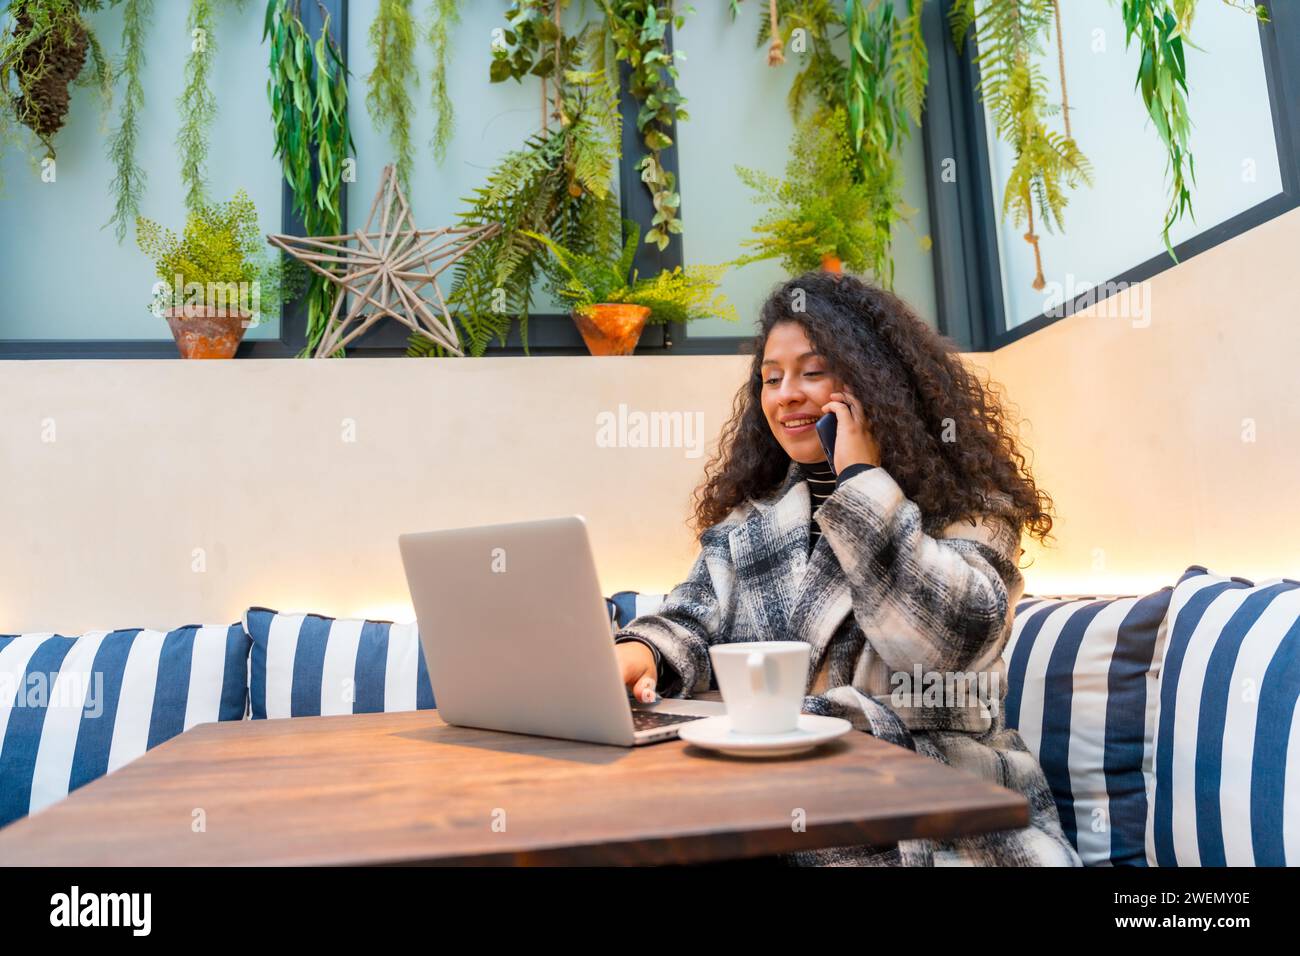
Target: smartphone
point(826, 432)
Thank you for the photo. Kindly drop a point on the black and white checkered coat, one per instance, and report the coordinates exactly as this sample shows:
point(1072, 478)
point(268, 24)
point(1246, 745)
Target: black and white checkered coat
point(877, 597)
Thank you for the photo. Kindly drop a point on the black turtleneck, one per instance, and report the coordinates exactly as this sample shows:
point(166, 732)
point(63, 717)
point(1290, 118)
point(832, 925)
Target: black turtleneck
point(822, 482)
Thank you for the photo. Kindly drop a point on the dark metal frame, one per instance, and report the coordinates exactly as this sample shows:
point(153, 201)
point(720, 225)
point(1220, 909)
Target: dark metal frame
point(964, 217)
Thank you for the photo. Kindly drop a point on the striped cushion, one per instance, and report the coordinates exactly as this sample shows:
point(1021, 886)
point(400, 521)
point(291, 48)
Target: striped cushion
point(75, 708)
point(1226, 788)
point(632, 604)
point(1081, 681)
point(307, 665)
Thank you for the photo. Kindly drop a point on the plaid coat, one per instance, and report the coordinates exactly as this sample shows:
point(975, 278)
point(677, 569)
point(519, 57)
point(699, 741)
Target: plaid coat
point(877, 598)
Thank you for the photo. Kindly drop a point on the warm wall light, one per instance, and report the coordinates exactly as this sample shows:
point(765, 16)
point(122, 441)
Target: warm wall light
point(397, 613)
point(1100, 585)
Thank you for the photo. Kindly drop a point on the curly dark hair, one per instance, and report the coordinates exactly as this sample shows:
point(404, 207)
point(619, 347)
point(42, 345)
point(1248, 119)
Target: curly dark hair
point(914, 388)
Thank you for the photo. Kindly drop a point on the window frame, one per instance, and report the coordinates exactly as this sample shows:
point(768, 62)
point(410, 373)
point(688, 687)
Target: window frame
point(965, 219)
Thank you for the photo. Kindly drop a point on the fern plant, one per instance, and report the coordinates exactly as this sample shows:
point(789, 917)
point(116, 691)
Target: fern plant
point(819, 209)
point(677, 295)
point(392, 45)
point(1009, 34)
point(559, 184)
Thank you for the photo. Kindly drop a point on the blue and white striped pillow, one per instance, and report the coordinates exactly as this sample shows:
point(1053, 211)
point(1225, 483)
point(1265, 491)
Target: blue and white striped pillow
point(1226, 787)
point(75, 708)
point(628, 605)
point(307, 665)
point(1081, 690)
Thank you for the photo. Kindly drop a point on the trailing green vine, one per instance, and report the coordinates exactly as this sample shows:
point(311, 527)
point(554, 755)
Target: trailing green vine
point(1160, 27)
point(392, 46)
point(198, 105)
point(638, 29)
point(534, 45)
point(308, 94)
point(129, 177)
point(443, 16)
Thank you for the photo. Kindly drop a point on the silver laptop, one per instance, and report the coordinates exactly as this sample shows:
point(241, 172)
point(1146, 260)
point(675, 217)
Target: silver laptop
point(517, 637)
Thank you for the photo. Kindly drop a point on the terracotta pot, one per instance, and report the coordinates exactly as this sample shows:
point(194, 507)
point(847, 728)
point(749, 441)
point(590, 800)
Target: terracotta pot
point(831, 263)
point(611, 328)
point(206, 332)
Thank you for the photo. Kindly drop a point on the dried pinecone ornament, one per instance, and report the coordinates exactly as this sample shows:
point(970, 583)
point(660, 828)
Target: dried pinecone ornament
point(46, 69)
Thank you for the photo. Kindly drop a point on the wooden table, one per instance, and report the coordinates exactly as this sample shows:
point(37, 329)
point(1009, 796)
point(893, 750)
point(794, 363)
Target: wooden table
point(407, 788)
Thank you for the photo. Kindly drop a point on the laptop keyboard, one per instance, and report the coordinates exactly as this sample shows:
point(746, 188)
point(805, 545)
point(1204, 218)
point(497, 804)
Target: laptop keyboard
point(651, 719)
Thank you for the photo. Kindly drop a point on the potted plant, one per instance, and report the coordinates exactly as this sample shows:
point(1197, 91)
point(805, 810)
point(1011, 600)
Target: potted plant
point(217, 279)
point(611, 304)
point(822, 217)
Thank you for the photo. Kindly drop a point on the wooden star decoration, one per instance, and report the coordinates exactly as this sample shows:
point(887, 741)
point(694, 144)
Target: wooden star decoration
point(385, 269)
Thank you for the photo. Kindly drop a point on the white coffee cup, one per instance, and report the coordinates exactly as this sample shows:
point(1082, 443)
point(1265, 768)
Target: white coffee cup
point(762, 684)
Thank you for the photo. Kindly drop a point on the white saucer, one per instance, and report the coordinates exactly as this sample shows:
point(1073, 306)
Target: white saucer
point(715, 733)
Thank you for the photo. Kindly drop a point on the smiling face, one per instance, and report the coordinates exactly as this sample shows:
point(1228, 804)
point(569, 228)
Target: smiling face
point(796, 383)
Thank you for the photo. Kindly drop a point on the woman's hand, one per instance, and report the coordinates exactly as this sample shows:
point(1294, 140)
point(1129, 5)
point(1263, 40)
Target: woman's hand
point(854, 443)
point(637, 665)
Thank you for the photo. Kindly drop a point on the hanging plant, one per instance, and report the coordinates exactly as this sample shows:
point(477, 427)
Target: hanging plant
point(638, 29)
point(559, 184)
point(884, 84)
point(44, 49)
point(197, 104)
point(1009, 34)
point(821, 73)
point(308, 93)
point(392, 45)
point(1160, 28)
point(534, 45)
point(444, 16)
point(874, 95)
point(820, 211)
point(129, 178)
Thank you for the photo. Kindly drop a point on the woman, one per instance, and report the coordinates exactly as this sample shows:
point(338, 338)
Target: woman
point(896, 560)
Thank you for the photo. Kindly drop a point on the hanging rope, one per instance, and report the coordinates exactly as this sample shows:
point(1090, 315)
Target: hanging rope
point(1060, 59)
point(559, 87)
point(1031, 237)
point(775, 56)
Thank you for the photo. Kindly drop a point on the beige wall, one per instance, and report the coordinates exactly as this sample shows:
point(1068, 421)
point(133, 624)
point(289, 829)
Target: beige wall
point(1173, 437)
point(250, 461)
point(143, 493)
